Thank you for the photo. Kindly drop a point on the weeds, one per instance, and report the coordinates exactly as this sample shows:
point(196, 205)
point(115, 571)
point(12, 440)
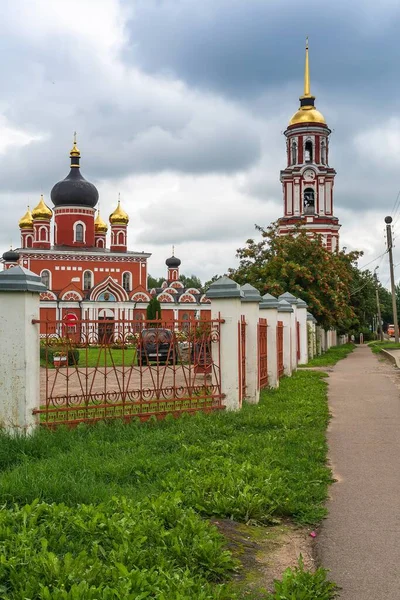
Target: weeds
point(260, 464)
point(331, 356)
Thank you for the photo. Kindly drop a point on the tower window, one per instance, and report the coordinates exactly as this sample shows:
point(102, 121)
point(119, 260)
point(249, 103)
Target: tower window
point(126, 282)
point(294, 153)
point(323, 153)
point(45, 277)
point(79, 232)
point(43, 234)
point(309, 201)
point(87, 280)
point(308, 151)
point(29, 241)
point(121, 240)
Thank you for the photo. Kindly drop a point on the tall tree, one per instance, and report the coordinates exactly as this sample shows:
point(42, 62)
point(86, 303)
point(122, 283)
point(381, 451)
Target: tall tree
point(303, 266)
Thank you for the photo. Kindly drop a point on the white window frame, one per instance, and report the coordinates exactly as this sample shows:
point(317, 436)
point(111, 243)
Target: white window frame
point(84, 232)
point(91, 279)
point(50, 276)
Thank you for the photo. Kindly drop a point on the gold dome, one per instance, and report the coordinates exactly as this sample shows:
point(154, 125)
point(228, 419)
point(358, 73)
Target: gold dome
point(42, 211)
point(100, 226)
point(26, 222)
point(119, 216)
point(307, 114)
point(75, 150)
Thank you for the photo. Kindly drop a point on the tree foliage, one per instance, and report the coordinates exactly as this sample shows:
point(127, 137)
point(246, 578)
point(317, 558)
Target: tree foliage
point(300, 264)
point(153, 310)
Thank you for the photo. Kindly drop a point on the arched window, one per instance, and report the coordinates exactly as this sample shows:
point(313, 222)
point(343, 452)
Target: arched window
point(121, 238)
point(309, 201)
point(294, 153)
point(79, 232)
point(87, 280)
point(308, 151)
point(29, 241)
point(100, 243)
point(126, 282)
point(323, 153)
point(43, 234)
point(45, 277)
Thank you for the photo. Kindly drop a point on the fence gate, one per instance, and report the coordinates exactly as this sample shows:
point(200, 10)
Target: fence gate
point(298, 339)
point(242, 358)
point(262, 353)
point(279, 346)
point(101, 369)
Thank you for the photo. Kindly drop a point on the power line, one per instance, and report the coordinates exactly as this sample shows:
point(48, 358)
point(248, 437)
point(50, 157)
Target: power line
point(373, 260)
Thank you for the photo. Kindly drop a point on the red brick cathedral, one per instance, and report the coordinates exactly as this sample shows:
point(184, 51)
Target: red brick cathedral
point(308, 179)
point(85, 279)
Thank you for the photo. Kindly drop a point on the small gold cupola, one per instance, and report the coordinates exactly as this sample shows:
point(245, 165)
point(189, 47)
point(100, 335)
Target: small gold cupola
point(100, 226)
point(119, 216)
point(42, 211)
point(307, 112)
point(75, 153)
point(26, 222)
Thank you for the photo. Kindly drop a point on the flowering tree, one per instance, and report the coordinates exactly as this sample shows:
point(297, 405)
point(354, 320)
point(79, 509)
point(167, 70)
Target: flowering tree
point(300, 264)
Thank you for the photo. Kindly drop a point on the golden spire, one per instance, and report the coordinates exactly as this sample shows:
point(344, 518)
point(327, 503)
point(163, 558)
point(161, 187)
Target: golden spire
point(100, 226)
point(307, 112)
point(42, 211)
point(307, 93)
point(75, 150)
point(119, 216)
point(26, 222)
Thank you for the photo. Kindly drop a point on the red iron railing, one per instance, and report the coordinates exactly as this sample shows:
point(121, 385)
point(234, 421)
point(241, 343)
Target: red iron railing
point(100, 369)
point(298, 339)
point(279, 346)
point(262, 329)
point(242, 358)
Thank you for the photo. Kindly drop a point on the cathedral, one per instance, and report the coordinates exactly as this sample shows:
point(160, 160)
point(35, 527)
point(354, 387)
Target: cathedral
point(308, 179)
point(84, 278)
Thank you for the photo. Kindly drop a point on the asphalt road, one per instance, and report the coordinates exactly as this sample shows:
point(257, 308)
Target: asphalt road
point(360, 540)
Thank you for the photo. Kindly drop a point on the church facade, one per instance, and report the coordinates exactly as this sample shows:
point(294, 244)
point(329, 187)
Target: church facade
point(308, 178)
point(67, 246)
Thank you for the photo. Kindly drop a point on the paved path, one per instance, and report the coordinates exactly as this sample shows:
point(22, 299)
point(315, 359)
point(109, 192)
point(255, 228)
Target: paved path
point(360, 540)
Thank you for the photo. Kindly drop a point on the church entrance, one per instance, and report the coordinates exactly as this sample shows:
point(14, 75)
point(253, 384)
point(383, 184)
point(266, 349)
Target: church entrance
point(106, 326)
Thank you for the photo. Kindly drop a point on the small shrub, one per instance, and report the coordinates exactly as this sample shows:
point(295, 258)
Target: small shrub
point(298, 584)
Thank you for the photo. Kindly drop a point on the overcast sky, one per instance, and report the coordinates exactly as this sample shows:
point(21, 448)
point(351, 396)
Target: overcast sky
point(180, 105)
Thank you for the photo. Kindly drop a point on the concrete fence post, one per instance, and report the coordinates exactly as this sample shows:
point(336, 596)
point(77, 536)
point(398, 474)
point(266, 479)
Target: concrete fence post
point(269, 310)
point(292, 300)
point(312, 343)
point(301, 309)
point(285, 313)
point(251, 299)
point(225, 296)
point(20, 349)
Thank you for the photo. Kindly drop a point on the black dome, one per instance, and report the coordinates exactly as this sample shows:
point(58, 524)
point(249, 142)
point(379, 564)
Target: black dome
point(173, 262)
point(74, 190)
point(11, 256)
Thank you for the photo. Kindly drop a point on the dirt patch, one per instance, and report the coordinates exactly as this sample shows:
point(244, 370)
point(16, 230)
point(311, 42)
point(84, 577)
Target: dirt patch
point(265, 552)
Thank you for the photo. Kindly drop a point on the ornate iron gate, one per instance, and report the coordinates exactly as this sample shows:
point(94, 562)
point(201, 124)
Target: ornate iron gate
point(279, 346)
point(122, 369)
point(262, 329)
point(242, 358)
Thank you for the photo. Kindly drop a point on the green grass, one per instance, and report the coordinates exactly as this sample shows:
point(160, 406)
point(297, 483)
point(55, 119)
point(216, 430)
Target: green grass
point(100, 357)
point(331, 356)
point(261, 464)
point(376, 347)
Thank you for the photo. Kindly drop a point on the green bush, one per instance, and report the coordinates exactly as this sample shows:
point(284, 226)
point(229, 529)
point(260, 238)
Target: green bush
point(47, 355)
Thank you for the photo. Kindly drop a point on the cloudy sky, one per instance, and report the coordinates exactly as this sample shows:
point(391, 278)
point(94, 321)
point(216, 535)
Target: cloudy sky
point(180, 105)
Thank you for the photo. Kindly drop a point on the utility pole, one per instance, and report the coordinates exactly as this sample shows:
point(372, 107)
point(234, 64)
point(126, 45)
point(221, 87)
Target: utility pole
point(378, 306)
point(388, 221)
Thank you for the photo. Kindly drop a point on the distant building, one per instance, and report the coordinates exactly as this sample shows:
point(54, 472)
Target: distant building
point(308, 179)
point(84, 278)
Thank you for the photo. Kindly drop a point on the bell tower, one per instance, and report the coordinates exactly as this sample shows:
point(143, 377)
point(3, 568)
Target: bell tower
point(308, 179)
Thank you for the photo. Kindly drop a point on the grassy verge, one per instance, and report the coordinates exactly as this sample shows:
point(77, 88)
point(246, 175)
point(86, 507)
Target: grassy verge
point(331, 356)
point(376, 347)
point(131, 499)
point(100, 357)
